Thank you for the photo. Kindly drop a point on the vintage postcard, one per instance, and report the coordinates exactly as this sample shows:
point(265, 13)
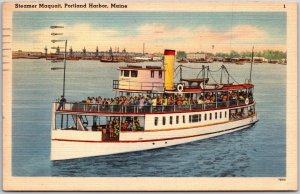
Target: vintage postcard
point(149, 96)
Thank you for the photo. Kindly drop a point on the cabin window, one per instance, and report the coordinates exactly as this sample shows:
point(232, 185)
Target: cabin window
point(190, 118)
point(183, 119)
point(177, 119)
point(205, 117)
point(216, 115)
point(225, 115)
point(210, 116)
point(164, 120)
point(199, 117)
point(195, 118)
point(220, 115)
point(155, 121)
point(122, 72)
point(160, 74)
point(134, 73)
point(126, 73)
point(171, 120)
point(152, 74)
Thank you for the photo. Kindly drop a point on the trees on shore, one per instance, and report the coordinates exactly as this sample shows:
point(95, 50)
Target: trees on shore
point(268, 54)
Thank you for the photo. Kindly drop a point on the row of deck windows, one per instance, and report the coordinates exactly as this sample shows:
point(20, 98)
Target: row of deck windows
point(127, 73)
point(134, 73)
point(192, 118)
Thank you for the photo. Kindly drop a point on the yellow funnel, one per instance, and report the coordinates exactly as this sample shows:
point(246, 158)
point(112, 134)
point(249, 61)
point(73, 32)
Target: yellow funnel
point(169, 60)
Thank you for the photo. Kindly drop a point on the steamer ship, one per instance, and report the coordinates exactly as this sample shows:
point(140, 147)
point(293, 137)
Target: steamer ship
point(151, 111)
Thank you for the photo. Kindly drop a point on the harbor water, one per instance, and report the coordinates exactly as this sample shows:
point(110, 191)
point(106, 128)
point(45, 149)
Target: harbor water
point(258, 151)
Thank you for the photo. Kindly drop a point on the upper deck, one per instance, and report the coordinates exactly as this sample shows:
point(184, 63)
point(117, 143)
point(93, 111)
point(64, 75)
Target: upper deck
point(155, 105)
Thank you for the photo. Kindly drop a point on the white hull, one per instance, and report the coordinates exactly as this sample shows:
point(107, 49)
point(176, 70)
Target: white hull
point(79, 144)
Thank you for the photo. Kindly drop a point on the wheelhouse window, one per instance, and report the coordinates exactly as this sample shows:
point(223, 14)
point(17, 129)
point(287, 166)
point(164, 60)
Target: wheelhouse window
point(152, 73)
point(126, 73)
point(134, 73)
point(155, 121)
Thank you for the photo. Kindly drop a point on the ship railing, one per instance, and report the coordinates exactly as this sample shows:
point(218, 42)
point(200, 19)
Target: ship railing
point(85, 107)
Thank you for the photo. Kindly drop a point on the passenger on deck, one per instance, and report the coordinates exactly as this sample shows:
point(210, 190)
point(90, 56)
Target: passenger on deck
point(224, 98)
point(116, 127)
point(241, 98)
point(141, 103)
point(111, 130)
point(93, 100)
point(99, 100)
point(207, 100)
point(62, 102)
point(159, 101)
point(179, 101)
point(88, 100)
point(200, 101)
point(165, 101)
point(124, 126)
point(154, 104)
point(149, 101)
point(137, 125)
point(213, 98)
point(129, 127)
point(170, 100)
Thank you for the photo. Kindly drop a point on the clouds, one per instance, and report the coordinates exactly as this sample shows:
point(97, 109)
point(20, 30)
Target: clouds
point(157, 36)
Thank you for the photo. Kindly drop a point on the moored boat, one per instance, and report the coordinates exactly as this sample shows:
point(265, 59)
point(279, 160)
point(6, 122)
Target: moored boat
point(151, 111)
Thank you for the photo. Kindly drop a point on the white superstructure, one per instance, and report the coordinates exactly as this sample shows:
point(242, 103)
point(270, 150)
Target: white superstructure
point(150, 112)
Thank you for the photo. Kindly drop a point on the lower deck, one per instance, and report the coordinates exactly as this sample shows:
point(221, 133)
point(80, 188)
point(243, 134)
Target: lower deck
point(113, 128)
point(69, 144)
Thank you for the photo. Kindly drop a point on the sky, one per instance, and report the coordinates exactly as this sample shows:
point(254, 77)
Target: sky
point(184, 31)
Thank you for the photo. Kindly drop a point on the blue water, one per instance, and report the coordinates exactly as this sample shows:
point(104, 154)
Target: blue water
point(258, 151)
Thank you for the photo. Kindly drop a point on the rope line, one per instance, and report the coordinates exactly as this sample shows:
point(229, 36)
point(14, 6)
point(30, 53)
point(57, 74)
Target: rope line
point(222, 68)
point(212, 76)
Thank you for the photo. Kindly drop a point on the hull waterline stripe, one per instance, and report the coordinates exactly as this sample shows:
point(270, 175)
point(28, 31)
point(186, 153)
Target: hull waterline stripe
point(153, 140)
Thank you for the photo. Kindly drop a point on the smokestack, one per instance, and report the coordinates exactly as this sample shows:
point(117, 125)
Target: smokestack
point(169, 60)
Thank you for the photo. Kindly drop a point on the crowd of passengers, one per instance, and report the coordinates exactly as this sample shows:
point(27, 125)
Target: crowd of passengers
point(113, 126)
point(168, 100)
point(240, 113)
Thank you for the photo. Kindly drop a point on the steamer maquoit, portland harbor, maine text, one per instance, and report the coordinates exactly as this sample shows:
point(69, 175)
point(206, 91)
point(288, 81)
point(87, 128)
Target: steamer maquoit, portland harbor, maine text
point(70, 5)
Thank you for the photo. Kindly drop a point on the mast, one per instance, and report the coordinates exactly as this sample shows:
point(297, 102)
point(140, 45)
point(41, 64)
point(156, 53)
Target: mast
point(203, 75)
point(221, 78)
point(180, 71)
point(251, 64)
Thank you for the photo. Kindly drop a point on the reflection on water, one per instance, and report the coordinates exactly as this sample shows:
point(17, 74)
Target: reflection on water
point(258, 151)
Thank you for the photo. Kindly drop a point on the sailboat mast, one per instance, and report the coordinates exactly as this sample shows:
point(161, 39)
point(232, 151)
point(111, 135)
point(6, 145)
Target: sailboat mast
point(250, 80)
